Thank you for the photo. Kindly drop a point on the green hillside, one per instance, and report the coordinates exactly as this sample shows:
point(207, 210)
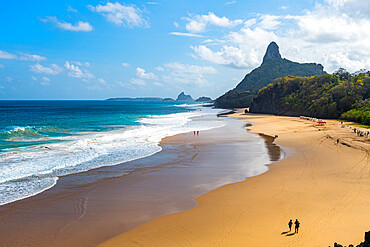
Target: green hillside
point(275, 68)
point(322, 96)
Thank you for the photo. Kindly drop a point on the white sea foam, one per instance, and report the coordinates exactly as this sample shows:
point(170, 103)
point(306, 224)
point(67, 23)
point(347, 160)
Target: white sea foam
point(31, 170)
point(17, 190)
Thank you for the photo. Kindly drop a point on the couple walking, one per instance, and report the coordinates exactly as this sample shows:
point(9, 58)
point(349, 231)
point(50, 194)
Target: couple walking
point(296, 223)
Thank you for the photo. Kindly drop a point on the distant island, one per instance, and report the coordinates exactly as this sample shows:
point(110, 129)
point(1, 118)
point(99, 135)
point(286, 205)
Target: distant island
point(181, 97)
point(272, 67)
point(184, 97)
point(204, 99)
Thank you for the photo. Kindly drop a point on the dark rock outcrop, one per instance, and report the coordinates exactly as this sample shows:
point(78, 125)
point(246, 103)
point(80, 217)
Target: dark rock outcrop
point(272, 52)
point(204, 99)
point(236, 99)
point(366, 243)
point(183, 97)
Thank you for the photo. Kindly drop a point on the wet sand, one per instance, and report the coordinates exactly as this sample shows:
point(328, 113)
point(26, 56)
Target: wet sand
point(88, 208)
point(325, 184)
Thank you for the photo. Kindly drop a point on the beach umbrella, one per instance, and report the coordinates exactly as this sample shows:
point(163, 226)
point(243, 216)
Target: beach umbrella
point(321, 122)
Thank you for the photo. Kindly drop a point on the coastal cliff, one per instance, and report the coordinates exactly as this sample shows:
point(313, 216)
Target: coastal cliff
point(322, 96)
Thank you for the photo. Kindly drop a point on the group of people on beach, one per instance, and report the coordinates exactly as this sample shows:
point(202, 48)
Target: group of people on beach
point(196, 132)
point(296, 224)
point(360, 133)
point(313, 119)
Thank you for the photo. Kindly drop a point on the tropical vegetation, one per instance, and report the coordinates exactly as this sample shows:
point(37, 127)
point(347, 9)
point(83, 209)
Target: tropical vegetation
point(340, 95)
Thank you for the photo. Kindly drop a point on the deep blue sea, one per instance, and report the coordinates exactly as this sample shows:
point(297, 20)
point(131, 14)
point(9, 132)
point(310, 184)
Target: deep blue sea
point(43, 140)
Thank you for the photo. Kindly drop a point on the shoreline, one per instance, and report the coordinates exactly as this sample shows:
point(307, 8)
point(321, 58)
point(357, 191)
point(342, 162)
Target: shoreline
point(87, 208)
point(323, 184)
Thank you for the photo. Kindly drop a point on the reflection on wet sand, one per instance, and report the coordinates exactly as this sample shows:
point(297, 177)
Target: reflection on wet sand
point(274, 150)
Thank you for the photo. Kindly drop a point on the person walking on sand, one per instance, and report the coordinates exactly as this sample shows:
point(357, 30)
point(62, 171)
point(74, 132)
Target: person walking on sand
point(296, 223)
point(290, 225)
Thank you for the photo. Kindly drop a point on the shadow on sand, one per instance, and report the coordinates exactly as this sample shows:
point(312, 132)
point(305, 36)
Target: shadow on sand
point(288, 235)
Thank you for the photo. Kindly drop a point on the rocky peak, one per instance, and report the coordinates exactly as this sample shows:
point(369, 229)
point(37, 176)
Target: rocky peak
point(183, 97)
point(272, 52)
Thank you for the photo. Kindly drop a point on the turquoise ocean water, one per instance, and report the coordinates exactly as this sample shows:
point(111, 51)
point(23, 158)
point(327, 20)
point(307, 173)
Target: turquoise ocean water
point(43, 140)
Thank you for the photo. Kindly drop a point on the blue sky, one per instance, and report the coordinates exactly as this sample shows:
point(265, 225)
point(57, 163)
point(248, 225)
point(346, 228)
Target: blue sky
point(100, 49)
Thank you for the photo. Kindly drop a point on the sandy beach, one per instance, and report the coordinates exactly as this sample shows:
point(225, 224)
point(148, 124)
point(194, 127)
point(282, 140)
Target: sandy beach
point(88, 208)
point(324, 184)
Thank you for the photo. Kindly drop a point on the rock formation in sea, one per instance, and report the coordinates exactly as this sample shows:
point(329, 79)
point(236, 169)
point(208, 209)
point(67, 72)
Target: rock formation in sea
point(184, 97)
point(204, 99)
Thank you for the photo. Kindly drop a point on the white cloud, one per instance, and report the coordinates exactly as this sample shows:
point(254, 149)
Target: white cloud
point(120, 14)
point(45, 83)
point(34, 78)
point(45, 79)
point(158, 84)
point(22, 56)
point(152, 3)
point(330, 34)
point(188, 74)
point(80, 26)
point(52, 70)
point(353, 8)
point(198, 23)
point(283, 7)
point(159, 68)
point(187, 34)
point(125, 64)
point(9, 79)
point(250, 22)
point(214, 41)
point(140, 73)
point(70, 9)
point(30, 57)
point(6, 55)
point(126, 85)
point(75, 71)
point(228, 55)
point(140, 80)
point(231, 2)
point(176, 24)
point(137, 82)
point(269, 22)
point(101, 80)
point(86, 64)
point(244, 50)
point(100, 85)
